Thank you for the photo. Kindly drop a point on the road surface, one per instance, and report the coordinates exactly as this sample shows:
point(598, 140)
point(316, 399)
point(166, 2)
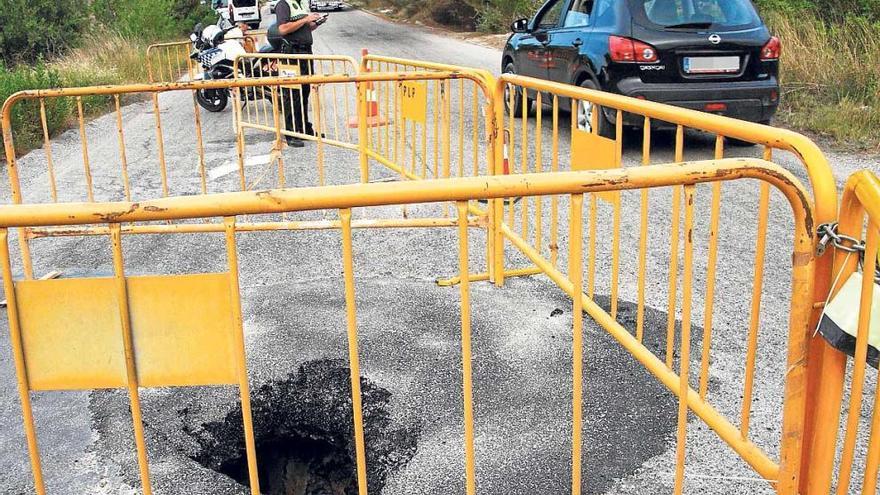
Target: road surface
point(409, 331)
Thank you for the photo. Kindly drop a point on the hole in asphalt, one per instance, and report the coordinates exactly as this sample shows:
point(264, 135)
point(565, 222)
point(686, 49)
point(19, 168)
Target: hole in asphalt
point(303, 430)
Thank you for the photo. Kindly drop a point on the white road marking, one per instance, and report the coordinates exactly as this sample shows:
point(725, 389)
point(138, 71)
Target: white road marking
point(229, 167)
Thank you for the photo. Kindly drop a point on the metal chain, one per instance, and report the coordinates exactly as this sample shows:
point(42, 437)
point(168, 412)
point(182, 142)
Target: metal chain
point(828, 235)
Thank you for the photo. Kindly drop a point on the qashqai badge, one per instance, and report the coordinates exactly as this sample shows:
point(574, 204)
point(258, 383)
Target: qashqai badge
point(714, 39)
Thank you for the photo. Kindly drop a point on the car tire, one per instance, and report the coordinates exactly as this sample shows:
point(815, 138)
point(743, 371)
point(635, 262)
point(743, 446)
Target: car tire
point(519, 94)
point(745, 144)
point(584, 114)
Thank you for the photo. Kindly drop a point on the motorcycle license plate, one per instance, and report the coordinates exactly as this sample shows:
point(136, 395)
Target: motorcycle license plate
point(711, 65)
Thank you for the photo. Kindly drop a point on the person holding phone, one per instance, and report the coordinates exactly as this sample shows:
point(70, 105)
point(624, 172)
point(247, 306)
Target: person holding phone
point(292, 34)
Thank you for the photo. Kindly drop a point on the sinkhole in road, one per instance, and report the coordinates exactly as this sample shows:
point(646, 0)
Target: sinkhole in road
point(304, 435)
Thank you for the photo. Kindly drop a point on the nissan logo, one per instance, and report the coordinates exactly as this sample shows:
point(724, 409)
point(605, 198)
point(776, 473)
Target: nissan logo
point(715, 39)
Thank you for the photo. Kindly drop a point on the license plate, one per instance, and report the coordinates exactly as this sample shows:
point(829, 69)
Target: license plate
point(711, 65)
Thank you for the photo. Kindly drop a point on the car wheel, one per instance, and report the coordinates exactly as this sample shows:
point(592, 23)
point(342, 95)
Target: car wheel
point(585, 111)
point(517, 99)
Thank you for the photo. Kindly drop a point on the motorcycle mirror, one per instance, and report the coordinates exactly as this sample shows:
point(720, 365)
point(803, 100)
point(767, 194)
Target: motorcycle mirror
point(198, 29)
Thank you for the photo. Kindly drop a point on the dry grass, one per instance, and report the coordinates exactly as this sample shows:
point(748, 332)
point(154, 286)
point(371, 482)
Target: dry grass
point(105, 57)
point(831, 77)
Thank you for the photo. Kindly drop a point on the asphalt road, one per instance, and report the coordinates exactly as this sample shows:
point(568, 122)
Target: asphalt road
point(409, 327)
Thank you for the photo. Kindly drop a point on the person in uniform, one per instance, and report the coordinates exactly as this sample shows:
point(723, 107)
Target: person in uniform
point(292, 34)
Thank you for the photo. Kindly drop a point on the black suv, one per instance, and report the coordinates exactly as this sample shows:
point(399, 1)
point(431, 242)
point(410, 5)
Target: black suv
point(710, 55)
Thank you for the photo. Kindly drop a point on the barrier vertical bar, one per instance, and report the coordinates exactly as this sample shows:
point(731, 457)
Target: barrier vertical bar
point(554, 200)
point(539, 167)
point(684, 365)
point(160, 142)
point(241, 355)
point(755, 315)
point(128, 345)
point(276, 116)
point(319, 117)
point(47, 147)
point(467, 379)
point(673, 251)
point(15, 342)
point(85, 149)
point(643, 235)
point(239, 137)
point(859, 362)
point(710, 275)
point(199, 141)
point(362, 88)
point(122, 156)
point(351, 323)
point(575, 273)
point(615, 241)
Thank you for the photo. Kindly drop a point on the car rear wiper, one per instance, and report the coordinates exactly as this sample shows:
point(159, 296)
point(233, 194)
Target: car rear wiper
point(690, 25)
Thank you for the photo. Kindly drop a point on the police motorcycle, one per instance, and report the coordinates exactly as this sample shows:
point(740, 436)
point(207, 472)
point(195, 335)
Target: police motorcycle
point(215, 49)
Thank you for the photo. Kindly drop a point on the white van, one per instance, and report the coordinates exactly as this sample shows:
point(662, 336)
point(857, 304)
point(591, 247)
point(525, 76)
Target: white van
point(235, 11)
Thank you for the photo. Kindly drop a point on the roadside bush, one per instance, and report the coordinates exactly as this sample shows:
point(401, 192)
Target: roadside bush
point(25, 116)
point(454, 13)
point(30, 29)
point(496, 15)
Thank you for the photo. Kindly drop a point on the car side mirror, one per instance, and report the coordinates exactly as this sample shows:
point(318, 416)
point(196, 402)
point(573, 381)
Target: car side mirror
point(520, 26)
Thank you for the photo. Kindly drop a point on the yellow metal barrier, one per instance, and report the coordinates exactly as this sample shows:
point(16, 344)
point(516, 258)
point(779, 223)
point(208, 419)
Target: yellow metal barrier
point(176, 178)
point(592, 137)
point(859, 225)
point(166, 61)
point(126, 312)
point(332, 106)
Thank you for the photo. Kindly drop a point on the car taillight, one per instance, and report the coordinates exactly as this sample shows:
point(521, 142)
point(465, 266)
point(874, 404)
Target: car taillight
point(772, 49)
point(630, 50)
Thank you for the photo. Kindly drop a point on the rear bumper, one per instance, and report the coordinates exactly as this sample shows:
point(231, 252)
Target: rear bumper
point(749, 100)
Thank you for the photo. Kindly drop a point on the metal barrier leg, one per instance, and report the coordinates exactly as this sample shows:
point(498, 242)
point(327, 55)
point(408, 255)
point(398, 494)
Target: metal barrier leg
point(241, 359)
point(20, 370)
point(470, 472)
point(575, 274)
point(351, 322)
point(131, 372)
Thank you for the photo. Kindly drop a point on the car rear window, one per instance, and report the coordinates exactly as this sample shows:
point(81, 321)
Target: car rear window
point(697, 14)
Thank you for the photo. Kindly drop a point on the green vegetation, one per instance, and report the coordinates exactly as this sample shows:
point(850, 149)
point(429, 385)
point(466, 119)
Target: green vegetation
point(67, 43)
point(830, 76)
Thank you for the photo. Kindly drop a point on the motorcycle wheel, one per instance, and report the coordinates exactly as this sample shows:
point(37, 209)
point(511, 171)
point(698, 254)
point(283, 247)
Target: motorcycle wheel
point(212, 100)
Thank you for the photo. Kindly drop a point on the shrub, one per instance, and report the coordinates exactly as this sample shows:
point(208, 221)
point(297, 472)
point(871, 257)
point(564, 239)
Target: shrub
point(25, 115)
point(30, 29)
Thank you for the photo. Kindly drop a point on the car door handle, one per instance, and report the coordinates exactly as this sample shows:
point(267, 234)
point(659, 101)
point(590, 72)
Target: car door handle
point(577, 42)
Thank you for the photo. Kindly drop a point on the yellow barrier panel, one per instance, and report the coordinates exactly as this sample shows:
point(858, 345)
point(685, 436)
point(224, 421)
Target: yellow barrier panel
point(284, 110)
point(855, 248)
point(603, 115)
point(123, 298)
point(177, 178)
